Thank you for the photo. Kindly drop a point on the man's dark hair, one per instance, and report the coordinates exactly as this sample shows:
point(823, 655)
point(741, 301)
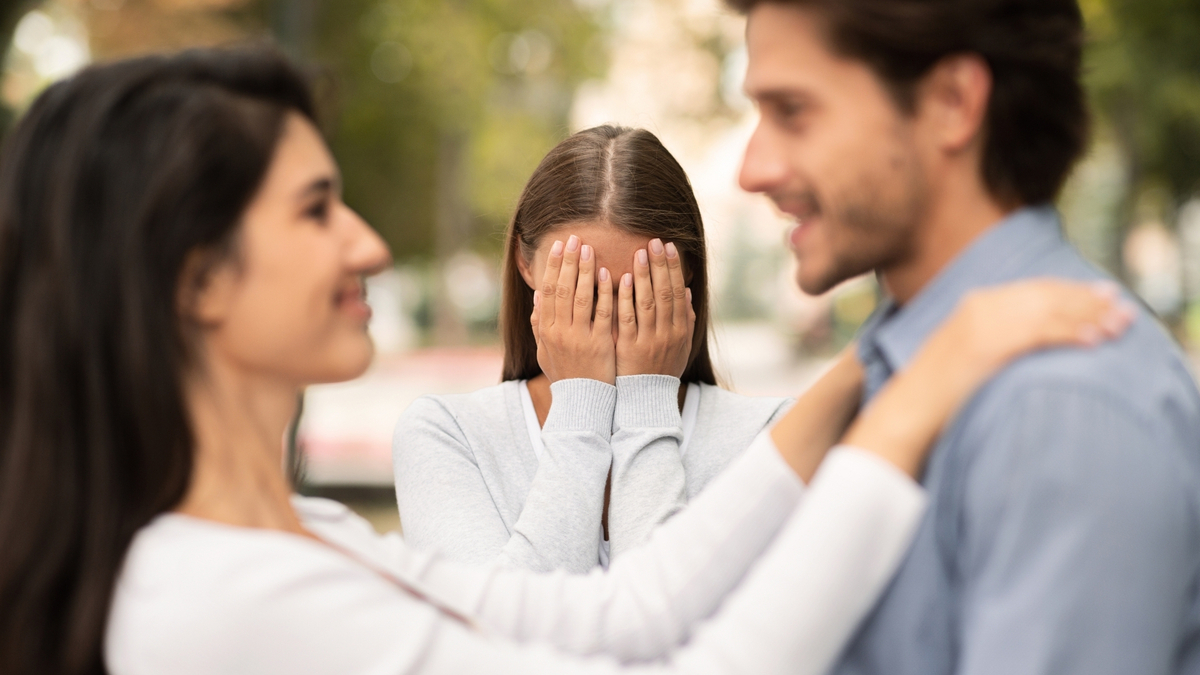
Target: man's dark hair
point(1037, 119)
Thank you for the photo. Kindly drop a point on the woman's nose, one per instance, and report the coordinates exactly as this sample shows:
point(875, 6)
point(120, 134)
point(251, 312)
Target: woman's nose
point(367, 252)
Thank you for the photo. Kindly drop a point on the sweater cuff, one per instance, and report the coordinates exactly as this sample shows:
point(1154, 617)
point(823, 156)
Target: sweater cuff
point(647, 401)
point(581, 404)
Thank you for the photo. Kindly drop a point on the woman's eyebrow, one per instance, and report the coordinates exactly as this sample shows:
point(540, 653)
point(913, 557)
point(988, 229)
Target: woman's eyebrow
point(321, 187)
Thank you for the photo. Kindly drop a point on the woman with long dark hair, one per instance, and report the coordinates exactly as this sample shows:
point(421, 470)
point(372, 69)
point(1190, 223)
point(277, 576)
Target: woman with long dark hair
point(494, 475)
point(176, 264)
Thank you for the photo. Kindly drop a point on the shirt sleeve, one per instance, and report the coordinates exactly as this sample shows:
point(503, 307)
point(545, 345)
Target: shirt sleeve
point(1077, 529)
point(446, 505)
point(648, 480)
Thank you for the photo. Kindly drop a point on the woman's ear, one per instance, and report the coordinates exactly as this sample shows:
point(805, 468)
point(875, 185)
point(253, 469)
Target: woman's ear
point(525, 270)
point(206, 289)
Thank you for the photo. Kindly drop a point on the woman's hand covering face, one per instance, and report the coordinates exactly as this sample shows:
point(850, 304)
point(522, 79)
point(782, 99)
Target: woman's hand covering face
point(573, 323)
point(572, 316)
point(655, 318)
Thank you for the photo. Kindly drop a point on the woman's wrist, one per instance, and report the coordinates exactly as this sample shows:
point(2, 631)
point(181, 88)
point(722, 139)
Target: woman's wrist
point(845, 379)
point(581, 404)
point(647, 401)
point(898, 425)
point(904, 420)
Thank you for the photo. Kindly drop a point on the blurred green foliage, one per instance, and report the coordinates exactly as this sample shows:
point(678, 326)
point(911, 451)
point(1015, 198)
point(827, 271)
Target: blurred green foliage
point(430, 92)
point(1143, 70)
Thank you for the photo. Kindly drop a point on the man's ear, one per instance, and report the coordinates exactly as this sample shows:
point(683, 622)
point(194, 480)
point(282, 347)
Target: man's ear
point(525, 270)
point(206, 288)
point(954, 100)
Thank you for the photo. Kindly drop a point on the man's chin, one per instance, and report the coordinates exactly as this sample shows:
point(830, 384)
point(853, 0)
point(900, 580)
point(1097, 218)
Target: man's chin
point(815, 284)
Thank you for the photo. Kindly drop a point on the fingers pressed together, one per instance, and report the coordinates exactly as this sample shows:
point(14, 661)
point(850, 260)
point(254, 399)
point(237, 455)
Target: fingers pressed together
point(574, 311)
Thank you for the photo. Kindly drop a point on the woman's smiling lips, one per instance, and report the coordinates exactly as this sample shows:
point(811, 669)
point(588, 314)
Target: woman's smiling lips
point(351, 299)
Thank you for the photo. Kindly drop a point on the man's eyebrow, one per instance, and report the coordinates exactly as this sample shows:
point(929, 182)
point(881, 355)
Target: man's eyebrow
point(775, 95)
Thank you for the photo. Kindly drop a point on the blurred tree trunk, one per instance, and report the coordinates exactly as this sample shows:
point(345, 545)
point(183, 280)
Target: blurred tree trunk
point(293, 23)
point(1123, 119)
point(138, 27)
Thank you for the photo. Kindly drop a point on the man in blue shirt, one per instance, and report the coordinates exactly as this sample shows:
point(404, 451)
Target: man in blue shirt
point(924, 140)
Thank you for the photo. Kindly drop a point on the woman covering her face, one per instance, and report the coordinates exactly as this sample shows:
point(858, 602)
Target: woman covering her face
point(176, 265)
point(500, 474)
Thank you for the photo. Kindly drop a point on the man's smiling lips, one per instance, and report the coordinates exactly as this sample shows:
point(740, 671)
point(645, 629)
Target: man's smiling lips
point(803, 208)
point(805, 220)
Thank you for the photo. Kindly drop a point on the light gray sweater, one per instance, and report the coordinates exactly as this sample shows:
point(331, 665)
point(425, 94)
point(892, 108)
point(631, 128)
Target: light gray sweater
point(469, 483)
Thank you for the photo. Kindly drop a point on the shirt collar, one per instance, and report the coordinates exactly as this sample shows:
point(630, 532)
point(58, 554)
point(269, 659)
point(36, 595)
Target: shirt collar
point(894, 333)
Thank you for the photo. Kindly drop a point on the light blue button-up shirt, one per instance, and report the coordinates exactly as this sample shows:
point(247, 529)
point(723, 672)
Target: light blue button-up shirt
point(1063, 532)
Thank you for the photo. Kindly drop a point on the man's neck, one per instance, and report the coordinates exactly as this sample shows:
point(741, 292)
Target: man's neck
point(954, 219)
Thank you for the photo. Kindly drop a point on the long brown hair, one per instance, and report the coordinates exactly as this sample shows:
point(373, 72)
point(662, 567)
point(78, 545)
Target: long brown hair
point(107, 185)
point(620, 176)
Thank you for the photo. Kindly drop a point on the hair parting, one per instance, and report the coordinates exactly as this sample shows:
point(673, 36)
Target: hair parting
point(627, 179)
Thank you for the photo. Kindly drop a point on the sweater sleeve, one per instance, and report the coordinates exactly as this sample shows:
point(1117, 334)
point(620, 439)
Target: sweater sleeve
point(561, 516)
point(446, 505)
point(649, 600)
point(648, 480)
point(281, 603)
point(793, 612)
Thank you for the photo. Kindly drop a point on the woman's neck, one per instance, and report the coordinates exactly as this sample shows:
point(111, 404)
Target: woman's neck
point(239, 422)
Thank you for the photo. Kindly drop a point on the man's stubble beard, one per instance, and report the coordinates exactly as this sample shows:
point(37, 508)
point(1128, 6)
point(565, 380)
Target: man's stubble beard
point(876, 232)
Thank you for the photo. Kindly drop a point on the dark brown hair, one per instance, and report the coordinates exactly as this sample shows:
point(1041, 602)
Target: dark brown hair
point(107, 185)
point(623, 177)
point(1037, 118)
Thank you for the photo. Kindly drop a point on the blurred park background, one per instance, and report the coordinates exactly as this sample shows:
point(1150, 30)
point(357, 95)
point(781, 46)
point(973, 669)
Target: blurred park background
point(438, 110)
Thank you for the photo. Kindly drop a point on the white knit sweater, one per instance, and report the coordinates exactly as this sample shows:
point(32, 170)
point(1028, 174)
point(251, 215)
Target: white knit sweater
point(470, 484)
point(197, 597)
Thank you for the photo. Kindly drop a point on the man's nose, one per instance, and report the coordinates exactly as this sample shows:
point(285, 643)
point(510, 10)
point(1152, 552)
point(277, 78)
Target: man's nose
point(763, 168)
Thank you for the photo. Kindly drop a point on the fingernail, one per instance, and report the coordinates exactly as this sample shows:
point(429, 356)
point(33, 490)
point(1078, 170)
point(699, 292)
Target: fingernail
point(671, 252)
point(557, 248)
point(627, 280)
point(656, 246)
point(1089, 335)
point(603, 274)
point(642, 257)
point(536, 295)
point(572, 243)
point(1106, 288)
point(1113, 323)
point(689, 295)
point(1122, 316)
point(585, 254)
